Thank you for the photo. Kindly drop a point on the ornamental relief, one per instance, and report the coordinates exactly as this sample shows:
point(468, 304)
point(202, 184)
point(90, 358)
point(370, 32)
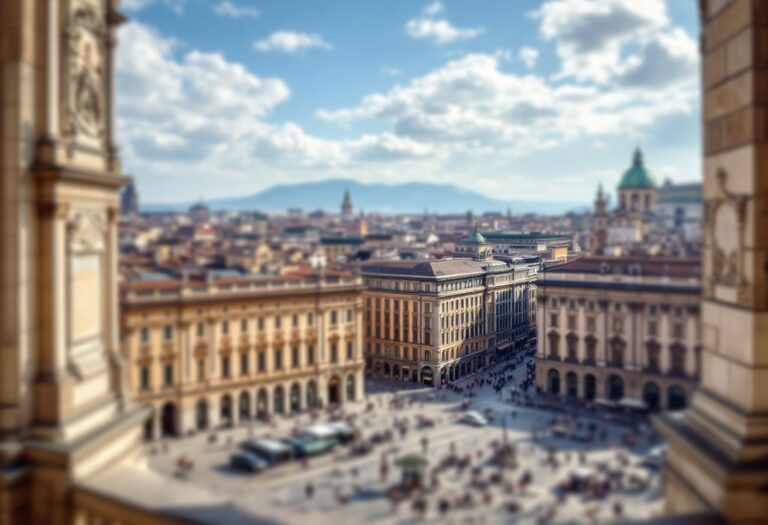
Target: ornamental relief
point(85, 49)
point(725, 216)
point(87, 230)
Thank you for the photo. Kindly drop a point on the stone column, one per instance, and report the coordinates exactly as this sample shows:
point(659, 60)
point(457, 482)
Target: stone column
point(718, 451)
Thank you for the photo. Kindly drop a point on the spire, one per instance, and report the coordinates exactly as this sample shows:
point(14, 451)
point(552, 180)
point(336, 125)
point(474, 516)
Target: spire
point(638, 161)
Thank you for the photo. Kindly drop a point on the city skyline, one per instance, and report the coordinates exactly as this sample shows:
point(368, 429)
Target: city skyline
point(249, 92)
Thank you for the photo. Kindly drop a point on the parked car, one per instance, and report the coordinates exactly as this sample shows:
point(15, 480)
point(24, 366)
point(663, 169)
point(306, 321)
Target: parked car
point(248, 462)
point(474, 418)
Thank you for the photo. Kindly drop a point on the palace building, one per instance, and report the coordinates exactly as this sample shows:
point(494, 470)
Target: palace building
point(436, 321)
point(224, 350)
point(620, 330)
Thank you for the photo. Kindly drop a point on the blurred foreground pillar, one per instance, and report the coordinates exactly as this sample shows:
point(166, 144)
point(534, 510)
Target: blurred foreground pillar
point(718, 456)
point(64, 415)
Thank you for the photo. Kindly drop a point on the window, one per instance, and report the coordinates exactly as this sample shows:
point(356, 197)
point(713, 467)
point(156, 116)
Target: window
point(572, 346)
point(351, 350)
point(262, 361)
point(654, 357)
point(225, 366)
point(244, 364)
point(653, 328)
point(334, 353)
point(350, 315)
point(678, 359)
point(554, 341)
point(553, 319)
point(618, 325)
point(278, 322)
point(200, 329)
point(201, 370)
point(554, 302)
point(295, 320)
point(144, 334)
point(243, 325)
point(617, 353)
point(310, 355)
point(571, 322)
point(168, 374)
point(334, 317)
point(678, 330)
point(310, 319)
point(168, 332)
point(591, 349)
point(225, 327)
point(261, 324)
point(590, 324)
point(295, 357)
point(144, 377)
point(278, 359)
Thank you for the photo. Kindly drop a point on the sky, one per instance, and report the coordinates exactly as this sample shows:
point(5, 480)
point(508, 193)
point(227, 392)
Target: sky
point(515, 99)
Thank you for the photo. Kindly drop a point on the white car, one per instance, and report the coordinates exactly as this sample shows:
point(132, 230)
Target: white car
point(474, 418)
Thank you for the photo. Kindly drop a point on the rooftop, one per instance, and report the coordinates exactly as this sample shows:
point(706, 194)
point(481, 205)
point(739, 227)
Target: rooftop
point(649, 266)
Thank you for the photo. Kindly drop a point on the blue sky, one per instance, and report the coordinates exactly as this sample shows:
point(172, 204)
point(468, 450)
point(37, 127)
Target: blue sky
point(517, 99)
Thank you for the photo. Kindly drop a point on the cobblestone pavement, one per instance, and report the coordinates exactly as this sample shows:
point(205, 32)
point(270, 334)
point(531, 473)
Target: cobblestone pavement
point(280, 493)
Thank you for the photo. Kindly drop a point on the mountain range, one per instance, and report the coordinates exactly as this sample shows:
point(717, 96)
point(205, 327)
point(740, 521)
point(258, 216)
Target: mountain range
point(413, 197)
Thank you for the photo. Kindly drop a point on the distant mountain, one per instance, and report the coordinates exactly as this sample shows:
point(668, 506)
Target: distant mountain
point(396, 198)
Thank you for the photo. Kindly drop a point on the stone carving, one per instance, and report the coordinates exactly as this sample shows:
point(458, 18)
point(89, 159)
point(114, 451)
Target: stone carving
point(725, 216)
point(87, 230)
point(86, 34)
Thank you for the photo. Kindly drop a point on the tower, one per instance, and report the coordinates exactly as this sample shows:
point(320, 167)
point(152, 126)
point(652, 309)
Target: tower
point(347, 210)
point(599, 234)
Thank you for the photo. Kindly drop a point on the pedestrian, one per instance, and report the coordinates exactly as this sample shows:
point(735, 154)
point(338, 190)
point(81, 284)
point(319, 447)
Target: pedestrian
point(309, 490)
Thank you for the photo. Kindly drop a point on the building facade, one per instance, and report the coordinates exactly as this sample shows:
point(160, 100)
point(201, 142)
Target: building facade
point(620, 329)
point(437, 321)
point(222, 352)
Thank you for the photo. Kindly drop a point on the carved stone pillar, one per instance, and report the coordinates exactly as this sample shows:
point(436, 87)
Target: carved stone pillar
point(719, 449)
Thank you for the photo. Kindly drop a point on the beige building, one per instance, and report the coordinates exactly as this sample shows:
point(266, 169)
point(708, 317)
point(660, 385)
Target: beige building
point(621, 330)
point(436, 321)
point(224, 351)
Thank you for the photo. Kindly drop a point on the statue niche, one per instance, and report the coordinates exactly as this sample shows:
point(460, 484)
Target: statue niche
point(86, 36)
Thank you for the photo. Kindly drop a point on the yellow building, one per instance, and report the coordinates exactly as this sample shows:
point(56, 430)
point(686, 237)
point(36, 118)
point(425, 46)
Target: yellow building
point(222, 351)
point(437, 321)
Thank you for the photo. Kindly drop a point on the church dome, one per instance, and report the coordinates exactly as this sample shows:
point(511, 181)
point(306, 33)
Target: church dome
point(637, 176)
point(475, 238)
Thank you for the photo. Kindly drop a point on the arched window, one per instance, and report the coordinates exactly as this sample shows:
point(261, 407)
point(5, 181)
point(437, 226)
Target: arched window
point(554, 381)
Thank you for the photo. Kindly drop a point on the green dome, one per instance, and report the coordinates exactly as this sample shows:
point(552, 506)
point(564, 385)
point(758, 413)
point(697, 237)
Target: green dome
point(475, 238)
point(637, 177)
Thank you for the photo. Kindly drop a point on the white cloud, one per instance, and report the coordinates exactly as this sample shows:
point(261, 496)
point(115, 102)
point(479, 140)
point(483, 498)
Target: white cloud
point(529, 56)
point(184, 120)
point(290, 42)
point(177, 6)
point(471, 106)
point(232, 10)
point(438, 30)
point(606, 41)
point(433, 9)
